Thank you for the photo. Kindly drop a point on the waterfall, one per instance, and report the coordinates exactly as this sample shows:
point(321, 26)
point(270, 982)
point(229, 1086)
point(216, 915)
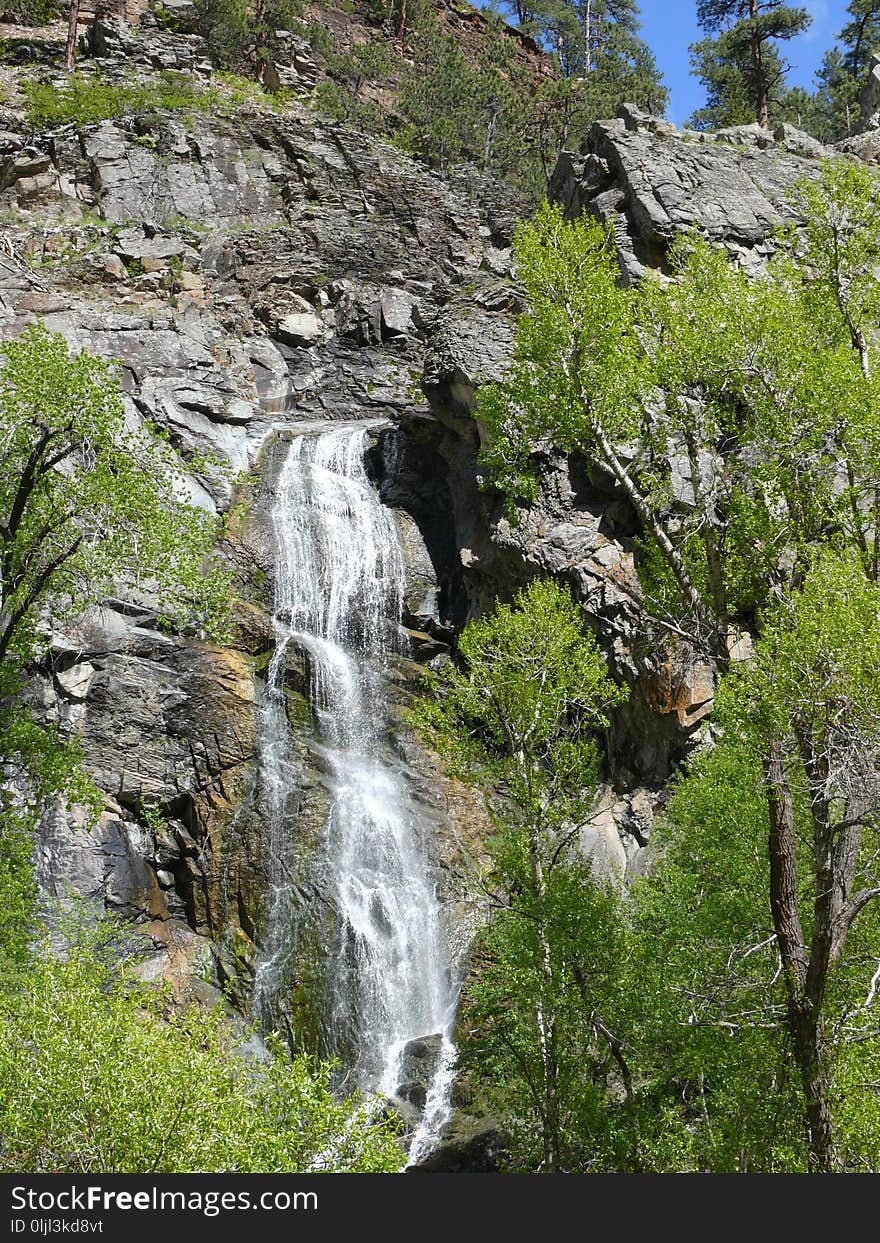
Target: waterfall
point(338, 599)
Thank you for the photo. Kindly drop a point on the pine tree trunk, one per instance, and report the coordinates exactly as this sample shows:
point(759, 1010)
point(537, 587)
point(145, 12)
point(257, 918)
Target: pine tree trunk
point(70, 46)
point(762, 98)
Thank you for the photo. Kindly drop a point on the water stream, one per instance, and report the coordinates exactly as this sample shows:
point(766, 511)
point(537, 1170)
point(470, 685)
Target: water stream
point(338, 598)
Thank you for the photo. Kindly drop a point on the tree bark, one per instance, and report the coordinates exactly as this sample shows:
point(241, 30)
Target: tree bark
point(783, 873)
point(762, 100)
point(546, 1035)
point(70, 46)
point(808, 1036)
point(799, 971)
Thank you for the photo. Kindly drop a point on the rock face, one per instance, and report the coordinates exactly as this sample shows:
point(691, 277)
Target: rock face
point(650, 181)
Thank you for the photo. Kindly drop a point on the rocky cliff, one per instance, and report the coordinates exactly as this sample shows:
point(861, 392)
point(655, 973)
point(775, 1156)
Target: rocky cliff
point(254, 270)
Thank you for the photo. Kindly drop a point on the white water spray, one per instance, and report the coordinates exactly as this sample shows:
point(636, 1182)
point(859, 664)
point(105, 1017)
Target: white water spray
point(339, 592)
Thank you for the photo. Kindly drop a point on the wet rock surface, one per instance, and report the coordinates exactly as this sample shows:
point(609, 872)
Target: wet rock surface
point(418, 1066)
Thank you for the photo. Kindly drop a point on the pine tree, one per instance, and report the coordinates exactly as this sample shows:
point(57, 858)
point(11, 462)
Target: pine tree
point(843, 71)
point(596, 37)
point(723, 77)
point(836, 101)
point(437, 98)
point(861, 36)
point(740, 57)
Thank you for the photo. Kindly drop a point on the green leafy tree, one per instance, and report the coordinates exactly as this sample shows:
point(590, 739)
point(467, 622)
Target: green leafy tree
point(523, 710)
point(781, 957)
point(582, 379)
point(747, 406)
point(98, 1074)
point(740, 59)
point(718, 1087)
point(749, 413)
point(813, 697)
point(624, 69)
point(88, 506)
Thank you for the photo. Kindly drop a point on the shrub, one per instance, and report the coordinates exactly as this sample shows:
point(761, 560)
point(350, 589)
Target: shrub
point(96, 1077)
point(88, 99)
point(31, 12)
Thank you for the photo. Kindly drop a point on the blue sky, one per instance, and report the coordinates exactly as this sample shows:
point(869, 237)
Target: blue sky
point(670, 25)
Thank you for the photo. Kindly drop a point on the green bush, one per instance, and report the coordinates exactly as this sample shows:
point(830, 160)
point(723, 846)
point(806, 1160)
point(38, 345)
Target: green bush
point(88, 99)
point(96, 1077)
point(31, 12)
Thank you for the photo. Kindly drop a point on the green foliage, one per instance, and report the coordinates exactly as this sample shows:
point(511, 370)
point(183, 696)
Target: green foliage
point(439, 98)
point(89, 98)
point(480, 102)
point(98, 1075)
point(843, 72)
point(819, 654)
point(523, 711)
point(747, 412)
point(709, 1028)
point(87, 504)
point(560, 954)
point(835, 105)
point(575, 309)
point(762, 392)
point(526, 705)
point(321, 40)
point(339, 94)
point(32, 12)
point(243, 36)
point(724, 75)
point(598, 42)
point(716, 1014)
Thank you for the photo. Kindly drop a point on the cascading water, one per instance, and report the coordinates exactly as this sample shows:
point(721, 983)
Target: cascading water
point(339, 591)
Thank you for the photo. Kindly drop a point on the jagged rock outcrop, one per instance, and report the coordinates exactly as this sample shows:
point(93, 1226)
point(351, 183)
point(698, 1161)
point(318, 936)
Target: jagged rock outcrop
point(650, 181)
